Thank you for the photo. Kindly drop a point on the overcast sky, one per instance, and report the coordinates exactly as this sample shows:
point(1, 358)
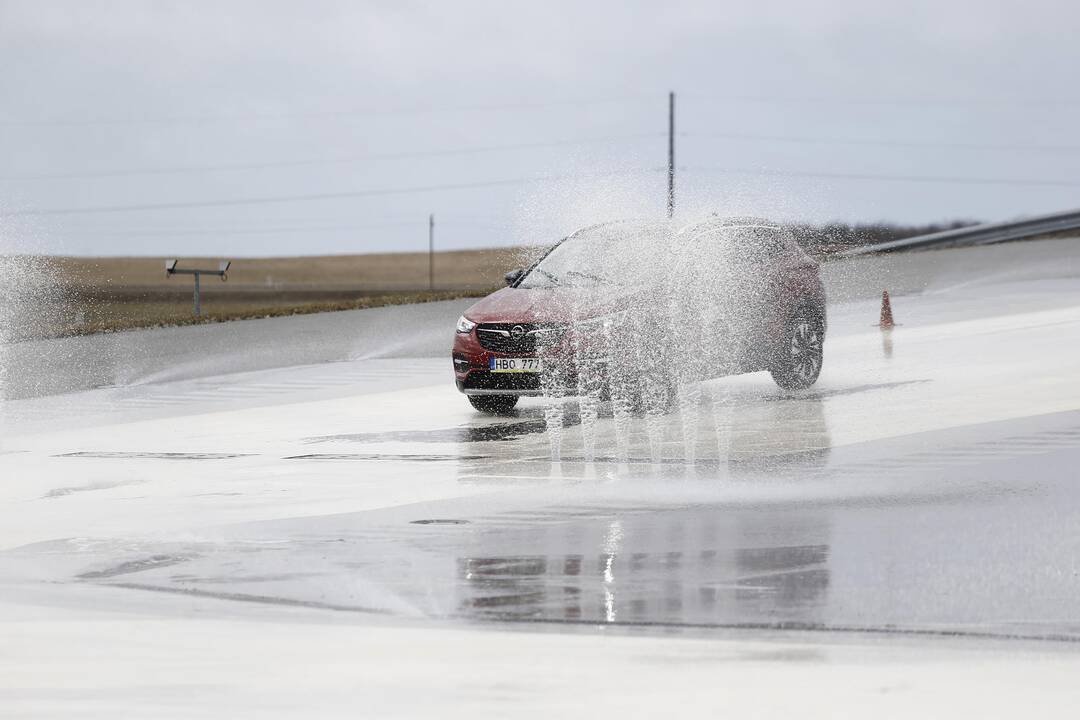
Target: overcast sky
point(265, 128)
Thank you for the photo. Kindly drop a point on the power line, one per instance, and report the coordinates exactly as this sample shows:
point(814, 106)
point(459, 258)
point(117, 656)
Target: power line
point(893, 101)
point(227, 167)
point(496, 107)
point(329, 114)
point(231, 232)
point(196, 169)
point(200, 232)
point(298, 221)
point(455, 221)
point(39, 212)
point(883, 143)
point(891, 178)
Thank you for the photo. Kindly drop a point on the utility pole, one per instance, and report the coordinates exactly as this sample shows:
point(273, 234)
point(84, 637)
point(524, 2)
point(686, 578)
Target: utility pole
point(431, 251)
point(671, 156)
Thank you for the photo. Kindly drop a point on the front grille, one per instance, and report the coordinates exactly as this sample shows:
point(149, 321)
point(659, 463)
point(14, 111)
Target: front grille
point(518, 337)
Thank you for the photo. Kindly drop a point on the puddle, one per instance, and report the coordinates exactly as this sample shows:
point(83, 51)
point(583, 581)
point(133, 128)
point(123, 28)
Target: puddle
point(550, 417)
point(245, 579)
point(805, 459)
point(65, 491)
point(135, 566)
point(153, 455)
point(372, 456)
point(251, 598)
point(824, 394)
point(438, 521)
point(645, 587)
point(500, 432)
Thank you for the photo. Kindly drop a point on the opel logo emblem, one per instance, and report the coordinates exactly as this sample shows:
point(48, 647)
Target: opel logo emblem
point(517, 332)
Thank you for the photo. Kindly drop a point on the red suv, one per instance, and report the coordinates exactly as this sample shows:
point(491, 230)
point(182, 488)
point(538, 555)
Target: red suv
point(631, 310)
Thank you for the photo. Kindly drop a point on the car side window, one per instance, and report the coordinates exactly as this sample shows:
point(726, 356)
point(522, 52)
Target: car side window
point(741, 245)
point(764, 243)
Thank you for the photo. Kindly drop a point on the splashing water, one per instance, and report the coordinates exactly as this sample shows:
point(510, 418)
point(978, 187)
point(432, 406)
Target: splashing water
point(30, 300)
point(591, 373)
point(553, 422)
point(720, 399)
point(553, 384)
point(649, 310)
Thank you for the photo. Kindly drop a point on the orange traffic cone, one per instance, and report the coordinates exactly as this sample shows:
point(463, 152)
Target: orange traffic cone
point(886, 312)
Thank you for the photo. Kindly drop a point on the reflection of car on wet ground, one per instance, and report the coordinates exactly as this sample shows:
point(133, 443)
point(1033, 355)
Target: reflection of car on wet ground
point(629, 310)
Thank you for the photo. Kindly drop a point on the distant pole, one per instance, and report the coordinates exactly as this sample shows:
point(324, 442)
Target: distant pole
point(431, 251)
point(671, 156)
point(198, 298)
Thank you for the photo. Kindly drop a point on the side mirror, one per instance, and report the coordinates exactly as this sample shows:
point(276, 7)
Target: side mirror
point(514, 275)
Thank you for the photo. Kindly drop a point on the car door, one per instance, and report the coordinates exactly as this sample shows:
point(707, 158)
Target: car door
point(712, 301)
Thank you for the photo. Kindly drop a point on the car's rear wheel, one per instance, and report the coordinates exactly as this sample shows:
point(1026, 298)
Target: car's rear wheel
point(493, 404)
point(797, 363)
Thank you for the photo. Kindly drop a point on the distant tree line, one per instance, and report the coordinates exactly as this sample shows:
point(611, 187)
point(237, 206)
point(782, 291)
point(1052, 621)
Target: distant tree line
point(836, 236)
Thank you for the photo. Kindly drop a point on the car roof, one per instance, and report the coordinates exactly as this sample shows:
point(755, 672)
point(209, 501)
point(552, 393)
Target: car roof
point(628, 223)
point(714, 222)
point(717, 223)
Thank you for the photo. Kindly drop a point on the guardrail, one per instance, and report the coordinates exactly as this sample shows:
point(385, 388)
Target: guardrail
point(979, 234)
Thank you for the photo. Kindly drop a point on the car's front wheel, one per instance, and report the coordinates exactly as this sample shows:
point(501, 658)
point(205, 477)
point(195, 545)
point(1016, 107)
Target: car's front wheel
point(797, 363)
point(493, 404)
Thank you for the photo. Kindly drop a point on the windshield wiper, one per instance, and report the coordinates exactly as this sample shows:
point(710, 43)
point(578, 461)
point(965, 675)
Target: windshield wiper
point(546, 274)
point(588, 276)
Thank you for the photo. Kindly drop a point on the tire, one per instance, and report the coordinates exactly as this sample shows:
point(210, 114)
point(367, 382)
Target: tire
point(797, 362)
point(493, 404)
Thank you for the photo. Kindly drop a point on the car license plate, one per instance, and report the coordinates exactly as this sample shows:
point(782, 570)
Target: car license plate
point(515, 365)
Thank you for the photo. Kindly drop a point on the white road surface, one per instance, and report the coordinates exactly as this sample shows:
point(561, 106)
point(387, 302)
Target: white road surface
point(348, 538)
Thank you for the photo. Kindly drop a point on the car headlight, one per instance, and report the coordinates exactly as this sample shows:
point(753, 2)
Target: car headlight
point(465, 325)
point(601, 322)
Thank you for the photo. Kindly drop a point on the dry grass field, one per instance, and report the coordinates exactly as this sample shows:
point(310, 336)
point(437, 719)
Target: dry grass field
point(460, 269)
point(106, 294)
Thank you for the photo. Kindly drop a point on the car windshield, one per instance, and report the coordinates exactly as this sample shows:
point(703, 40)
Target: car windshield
point(621, 254)
point(612, 254)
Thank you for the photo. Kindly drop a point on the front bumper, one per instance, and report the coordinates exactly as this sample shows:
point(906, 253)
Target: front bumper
point(473, 377)
point(483, 382)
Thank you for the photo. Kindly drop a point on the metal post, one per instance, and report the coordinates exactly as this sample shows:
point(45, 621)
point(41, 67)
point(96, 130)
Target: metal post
point(671, 156)
point(198, 304)
point(431, 251)
point(222, 272)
